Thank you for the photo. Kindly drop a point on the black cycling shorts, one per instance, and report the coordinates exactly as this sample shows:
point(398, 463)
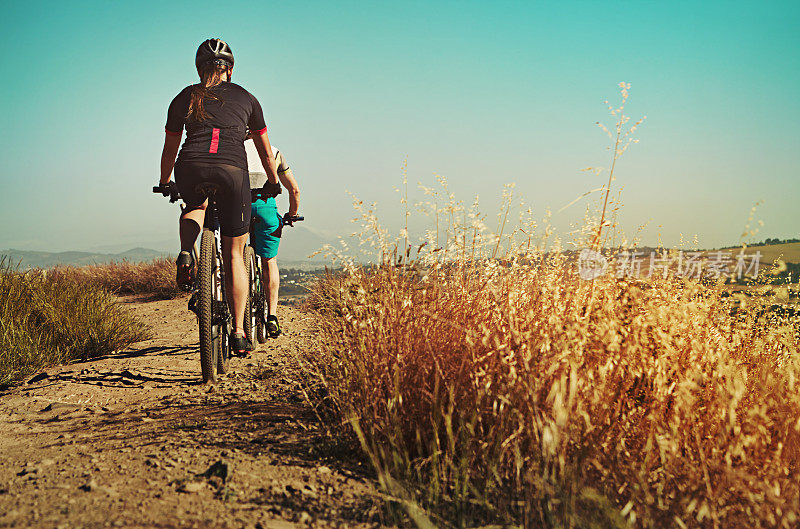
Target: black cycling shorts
point(232, 196)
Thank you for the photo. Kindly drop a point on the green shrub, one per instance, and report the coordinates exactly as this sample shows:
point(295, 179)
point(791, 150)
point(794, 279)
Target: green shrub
point(47, 319)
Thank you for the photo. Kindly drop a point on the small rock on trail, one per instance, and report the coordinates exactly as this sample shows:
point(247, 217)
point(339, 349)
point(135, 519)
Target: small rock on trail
point(192, 486)
point(220, 469)
point(38, 378)
point(61, 406)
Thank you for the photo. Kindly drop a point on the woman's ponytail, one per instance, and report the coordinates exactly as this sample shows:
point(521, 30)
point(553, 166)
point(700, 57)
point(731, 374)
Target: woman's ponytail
point(211, 74)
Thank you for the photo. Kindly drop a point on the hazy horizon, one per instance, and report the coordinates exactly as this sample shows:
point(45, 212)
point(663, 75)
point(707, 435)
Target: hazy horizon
point(483, 94)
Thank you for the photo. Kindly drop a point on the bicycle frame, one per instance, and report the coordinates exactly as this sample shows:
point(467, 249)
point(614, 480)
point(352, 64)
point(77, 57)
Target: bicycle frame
point(209, 296)
point(211, 221)
point(221, 315)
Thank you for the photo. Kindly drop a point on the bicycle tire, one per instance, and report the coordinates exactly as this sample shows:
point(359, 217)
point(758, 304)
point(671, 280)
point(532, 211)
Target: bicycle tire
point(250, 308)
point(261, 325)
point(205, 306)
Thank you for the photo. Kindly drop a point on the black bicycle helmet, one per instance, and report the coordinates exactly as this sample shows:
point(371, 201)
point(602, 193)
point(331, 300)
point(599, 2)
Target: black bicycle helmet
point(214, 50)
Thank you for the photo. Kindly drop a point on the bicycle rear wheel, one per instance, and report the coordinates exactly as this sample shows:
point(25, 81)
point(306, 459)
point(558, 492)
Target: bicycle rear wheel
point(250, 311)
point(206, 275)
point(260, 303)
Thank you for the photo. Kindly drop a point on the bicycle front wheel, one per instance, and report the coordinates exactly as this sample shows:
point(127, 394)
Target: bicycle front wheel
point(209, 335)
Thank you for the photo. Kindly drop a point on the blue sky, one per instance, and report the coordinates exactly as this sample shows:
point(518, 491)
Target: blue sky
point(483, 93)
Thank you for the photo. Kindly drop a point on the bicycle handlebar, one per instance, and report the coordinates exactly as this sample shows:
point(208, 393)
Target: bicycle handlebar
point(268, 191)
point(174, 195)
point(286, 219)
point(168, 191)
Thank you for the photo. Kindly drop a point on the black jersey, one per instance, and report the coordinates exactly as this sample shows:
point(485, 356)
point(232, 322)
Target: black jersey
point(220, 137)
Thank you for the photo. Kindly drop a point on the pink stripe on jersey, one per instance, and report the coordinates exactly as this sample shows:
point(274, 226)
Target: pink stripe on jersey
point(214, 141)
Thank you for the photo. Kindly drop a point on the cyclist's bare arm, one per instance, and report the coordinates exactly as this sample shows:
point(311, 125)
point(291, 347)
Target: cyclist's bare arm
point(288, 181)
point(261, 141)
point(172, 142)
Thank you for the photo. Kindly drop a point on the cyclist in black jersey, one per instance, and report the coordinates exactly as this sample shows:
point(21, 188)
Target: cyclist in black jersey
point(216, 114)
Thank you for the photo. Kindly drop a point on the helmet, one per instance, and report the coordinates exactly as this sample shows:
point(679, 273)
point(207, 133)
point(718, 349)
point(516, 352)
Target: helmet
point(214, 50)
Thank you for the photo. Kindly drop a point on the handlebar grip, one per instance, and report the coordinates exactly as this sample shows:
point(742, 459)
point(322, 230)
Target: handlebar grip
point(267, 191)
point(168, 191)
point(286, 219)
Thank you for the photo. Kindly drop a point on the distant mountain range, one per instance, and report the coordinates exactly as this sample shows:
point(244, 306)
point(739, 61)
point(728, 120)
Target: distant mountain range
point(30, 259)
point(297, 244)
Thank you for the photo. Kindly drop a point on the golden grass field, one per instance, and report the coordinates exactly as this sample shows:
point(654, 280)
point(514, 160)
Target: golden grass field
point(490, 384)
point(519, 393)
point(500, 387)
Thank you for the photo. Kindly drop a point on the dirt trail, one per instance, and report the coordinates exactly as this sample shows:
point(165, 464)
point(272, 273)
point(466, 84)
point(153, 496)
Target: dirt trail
point(131, 440)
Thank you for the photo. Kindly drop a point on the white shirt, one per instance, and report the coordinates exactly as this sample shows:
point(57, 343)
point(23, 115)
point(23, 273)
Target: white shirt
point(253, 160)
point(258, 175)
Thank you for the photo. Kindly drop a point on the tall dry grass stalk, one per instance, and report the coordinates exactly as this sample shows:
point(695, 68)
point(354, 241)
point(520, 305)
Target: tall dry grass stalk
point(489, 384)
point(622, 138)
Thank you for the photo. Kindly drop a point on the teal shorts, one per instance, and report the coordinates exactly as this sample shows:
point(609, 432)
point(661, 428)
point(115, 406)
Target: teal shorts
point(266, 232)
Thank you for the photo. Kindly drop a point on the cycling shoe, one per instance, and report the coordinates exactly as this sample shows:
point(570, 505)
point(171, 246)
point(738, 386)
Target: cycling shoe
point(185, 274)
point(273, 328)
point(240, 345)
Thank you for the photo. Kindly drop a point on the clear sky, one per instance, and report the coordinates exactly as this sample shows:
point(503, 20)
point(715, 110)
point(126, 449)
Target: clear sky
point(483, 93)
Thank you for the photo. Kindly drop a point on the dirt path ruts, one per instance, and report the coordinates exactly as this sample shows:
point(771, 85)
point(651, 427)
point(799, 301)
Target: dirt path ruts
point(131, 440)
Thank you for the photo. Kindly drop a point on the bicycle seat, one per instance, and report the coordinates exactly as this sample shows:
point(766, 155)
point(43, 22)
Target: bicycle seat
point(206, 189)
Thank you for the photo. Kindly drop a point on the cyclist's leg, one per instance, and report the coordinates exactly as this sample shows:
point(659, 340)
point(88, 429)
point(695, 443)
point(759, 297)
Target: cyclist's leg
point(236, 280)
point(190, 225)
point(272, 279)
point(187, 176)
point(265, 240)
point(233, 204)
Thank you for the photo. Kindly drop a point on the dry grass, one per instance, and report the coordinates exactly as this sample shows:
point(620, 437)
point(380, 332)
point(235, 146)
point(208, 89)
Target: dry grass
point(518, 387)
point(489, 384)
point(47, 319)
point(156, 277)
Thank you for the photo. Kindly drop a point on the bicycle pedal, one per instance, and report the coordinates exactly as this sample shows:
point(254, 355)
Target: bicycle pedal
point(193, 303)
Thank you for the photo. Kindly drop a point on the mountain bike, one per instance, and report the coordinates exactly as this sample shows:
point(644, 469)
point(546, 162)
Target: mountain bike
point(255, 323)
point(208, 300)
